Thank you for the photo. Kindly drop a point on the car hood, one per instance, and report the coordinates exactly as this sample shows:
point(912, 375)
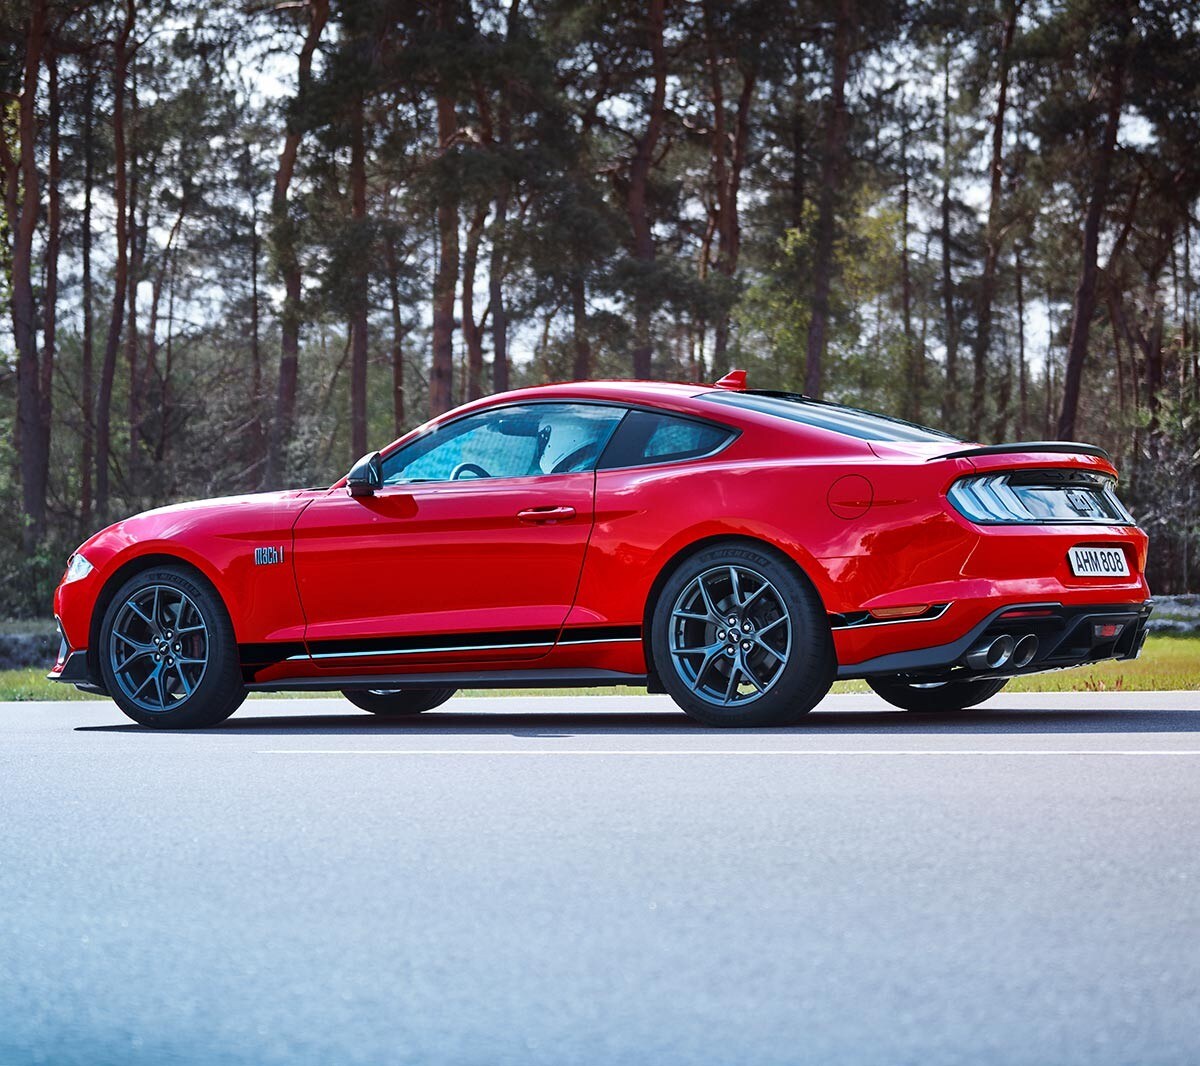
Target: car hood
point(264, 514)
point(285, 500)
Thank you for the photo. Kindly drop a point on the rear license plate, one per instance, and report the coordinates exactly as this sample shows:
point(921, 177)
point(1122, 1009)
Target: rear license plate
point(1098, 562)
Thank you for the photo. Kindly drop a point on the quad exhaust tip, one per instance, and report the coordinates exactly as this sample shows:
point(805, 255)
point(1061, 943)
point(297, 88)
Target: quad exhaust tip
point(991, 654)
point(1026, 648)
point(1004, 650)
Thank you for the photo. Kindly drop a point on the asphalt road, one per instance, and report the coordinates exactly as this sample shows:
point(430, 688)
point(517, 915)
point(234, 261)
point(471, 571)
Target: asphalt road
point(598, 881)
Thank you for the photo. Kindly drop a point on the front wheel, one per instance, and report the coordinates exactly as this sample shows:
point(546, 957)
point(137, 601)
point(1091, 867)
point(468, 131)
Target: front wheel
point(739, 638)
point(945, 696)
point(167, 651)
point(398, 702)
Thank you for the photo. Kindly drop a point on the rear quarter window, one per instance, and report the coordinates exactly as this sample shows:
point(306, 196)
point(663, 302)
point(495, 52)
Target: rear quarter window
point(645, 438)
point(837, 418)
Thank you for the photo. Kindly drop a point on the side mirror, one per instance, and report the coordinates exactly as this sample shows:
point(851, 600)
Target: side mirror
point(366, 476)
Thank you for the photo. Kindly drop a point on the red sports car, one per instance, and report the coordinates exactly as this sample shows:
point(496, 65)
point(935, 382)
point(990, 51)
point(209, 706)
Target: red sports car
point(737, 549)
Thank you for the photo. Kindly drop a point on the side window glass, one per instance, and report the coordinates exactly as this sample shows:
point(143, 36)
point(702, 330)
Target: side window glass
point(647, 437)
point(531, 440)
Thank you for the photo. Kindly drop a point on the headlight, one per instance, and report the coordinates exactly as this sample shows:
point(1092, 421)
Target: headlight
point(1037, 497)
point(77, 567)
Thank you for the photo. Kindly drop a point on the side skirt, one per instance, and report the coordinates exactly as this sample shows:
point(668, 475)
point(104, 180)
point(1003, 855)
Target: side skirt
point(464, 679)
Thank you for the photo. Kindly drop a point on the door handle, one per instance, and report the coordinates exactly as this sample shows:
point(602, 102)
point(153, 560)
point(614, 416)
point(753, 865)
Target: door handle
point(546, 514)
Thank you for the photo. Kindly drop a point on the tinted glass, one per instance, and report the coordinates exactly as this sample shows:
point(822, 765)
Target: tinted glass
point(527, 441)
point(647, 437)
point(864, 425)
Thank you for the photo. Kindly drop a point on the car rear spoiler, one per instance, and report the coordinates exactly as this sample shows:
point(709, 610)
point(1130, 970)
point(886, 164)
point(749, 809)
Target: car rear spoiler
point(1070, 447)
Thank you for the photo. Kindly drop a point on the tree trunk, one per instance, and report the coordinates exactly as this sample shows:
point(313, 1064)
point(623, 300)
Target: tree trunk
point(473, 331)
point(360, 299)
point(108, 367)
point(50, 296)
point(1022, 366)
point(1003, 393)
point(393, 275)
point(135, 269)
point(1152, 350)
point(29, 403)
point(283, 238)
point(164, 422)
point(497, 263)
point(992, 237)
point(258, 437)
point(1194, 346)
point(914, 360)
point(1085, 292)
point(799, 139)
point(581, 364)
point(1118, 354)
point(636, 206)
point(441, 371)
point(496, 296)
point(950, 392)
point(86, 384)
point(149, 372)
point(832, 170)
point(728, 158)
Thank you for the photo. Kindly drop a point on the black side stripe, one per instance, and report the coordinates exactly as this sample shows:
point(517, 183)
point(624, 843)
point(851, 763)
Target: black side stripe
point(266, 654)
point(440, 642)
point(599, 634)
point(269, 653)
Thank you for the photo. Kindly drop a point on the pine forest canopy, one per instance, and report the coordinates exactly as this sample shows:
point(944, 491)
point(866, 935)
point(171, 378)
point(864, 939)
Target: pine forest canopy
point(243, 243)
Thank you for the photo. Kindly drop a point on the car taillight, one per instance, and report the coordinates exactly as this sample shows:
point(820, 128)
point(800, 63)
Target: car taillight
point(1033, 497)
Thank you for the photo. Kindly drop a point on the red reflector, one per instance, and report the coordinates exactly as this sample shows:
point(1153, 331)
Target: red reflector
point(1028, 612)
point(1107, 630)
point(900, 612)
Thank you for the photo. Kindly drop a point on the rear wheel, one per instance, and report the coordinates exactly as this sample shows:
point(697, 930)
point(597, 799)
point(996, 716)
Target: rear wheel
point(167, 651)
point(398, 702)
point(944, 696)
point(739, 638)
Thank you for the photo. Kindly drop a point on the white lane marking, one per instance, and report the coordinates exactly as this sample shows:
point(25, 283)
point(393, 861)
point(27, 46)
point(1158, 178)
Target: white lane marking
point(666, 752)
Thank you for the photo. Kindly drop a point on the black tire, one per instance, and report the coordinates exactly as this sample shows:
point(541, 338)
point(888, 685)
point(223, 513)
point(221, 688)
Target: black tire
point(398, 703)
point(952, 696)
point(216, 688)
point(780, 694)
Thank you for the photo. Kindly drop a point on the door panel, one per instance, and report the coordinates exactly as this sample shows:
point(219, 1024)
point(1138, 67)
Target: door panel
point(485, 569)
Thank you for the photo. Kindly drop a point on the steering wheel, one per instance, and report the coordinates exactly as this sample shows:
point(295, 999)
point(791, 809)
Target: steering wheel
point(567, 465)
point(468, 468)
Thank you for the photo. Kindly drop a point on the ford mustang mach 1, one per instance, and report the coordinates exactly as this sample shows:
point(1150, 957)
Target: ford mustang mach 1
point(737, 549)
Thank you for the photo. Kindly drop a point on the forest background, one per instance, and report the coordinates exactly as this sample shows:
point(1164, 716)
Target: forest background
point(243, 243)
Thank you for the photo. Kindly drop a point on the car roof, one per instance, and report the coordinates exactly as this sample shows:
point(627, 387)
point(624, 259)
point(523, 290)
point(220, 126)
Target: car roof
point(696, 399)
point(617, 390)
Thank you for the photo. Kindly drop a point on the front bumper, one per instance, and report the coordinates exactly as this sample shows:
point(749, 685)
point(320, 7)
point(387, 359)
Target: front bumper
point(1066, 636)
point(74, 670)
point(73, 667)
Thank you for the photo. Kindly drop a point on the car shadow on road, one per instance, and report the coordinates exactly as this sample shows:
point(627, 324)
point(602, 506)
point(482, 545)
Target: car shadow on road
point(600, 723)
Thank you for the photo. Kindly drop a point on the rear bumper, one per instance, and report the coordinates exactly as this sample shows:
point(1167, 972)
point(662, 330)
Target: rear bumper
point(1066, 636)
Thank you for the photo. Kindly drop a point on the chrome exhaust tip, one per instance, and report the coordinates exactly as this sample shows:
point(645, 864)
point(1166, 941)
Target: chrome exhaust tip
point(991, 654)
point(1026, 648)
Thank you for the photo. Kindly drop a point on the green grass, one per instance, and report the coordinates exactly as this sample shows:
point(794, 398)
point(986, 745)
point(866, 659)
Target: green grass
point(1166, 663)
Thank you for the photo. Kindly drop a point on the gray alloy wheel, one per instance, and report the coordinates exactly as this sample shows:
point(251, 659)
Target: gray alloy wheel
point(167, 652)
point(740, 638)
point(398, 702)
point(158, 650)
point(730, 635)
point(949, 696)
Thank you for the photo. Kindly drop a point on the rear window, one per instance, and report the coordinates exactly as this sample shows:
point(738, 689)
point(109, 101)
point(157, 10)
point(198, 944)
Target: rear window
point(865, 425)
point(646, 437)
